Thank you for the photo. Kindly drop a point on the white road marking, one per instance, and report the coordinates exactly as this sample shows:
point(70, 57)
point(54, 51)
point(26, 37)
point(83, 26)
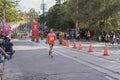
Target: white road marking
point(55, 53)
point(92, 66)
point(109, 78)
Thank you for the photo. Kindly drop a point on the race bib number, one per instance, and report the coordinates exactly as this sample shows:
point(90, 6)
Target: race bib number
point(51, 38)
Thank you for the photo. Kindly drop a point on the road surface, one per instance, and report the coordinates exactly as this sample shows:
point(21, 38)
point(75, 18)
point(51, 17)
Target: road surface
point(32, 62)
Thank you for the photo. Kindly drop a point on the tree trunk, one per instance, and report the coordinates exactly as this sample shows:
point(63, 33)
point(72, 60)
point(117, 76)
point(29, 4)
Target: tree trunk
point(77, 22)
point(76, 28)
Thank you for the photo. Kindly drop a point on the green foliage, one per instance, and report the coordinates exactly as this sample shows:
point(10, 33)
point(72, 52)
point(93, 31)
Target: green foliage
point(58, 1)
point(29, 16)
point(55, 18)
point(12, 13)
point(100, 15)
point(33, 14)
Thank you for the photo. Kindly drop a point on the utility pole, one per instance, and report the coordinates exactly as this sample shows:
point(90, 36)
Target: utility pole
point(43, 14)
point(104, 15)
point(43, 7)
point(77, 21)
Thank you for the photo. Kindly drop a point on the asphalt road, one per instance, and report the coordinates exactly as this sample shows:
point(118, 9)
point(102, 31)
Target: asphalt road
point(31, 62)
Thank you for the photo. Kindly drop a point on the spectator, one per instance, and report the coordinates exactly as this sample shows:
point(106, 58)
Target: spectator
point(9, 48)
point(2, 52)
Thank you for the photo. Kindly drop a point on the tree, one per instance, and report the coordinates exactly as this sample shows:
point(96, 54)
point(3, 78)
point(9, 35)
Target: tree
point(107, 13)
point(12, 13)
point(55, 18)
point(33, 14)
point(58, 1)
point(91, 13)
point(97, 15)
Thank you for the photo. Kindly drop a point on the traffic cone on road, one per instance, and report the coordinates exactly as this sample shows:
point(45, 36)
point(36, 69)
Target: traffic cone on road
point(105, 51)
point(62, 41)
point(80, 46)
point(68, 44)
point(65, 42)
point(90, 48)
point(74, 44)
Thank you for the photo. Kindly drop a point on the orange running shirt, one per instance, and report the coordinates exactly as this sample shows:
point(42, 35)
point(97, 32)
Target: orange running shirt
point(51, 38)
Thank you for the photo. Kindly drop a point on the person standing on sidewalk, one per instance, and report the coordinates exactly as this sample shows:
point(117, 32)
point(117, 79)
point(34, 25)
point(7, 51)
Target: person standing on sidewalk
point(51, 41)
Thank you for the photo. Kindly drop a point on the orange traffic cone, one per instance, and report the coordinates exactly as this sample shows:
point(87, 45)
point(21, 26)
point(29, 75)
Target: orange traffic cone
point(62, 41)
point(74, 44)
point(68, 44)
point(65, 43)
point(90, 48)
point(105, 51)
point(80, 46)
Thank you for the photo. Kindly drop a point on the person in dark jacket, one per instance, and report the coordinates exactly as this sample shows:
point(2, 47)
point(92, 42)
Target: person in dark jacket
point(9, 48)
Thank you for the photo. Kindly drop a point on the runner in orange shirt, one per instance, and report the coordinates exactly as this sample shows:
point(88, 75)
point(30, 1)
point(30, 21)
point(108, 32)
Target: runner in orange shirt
point(51, 41)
